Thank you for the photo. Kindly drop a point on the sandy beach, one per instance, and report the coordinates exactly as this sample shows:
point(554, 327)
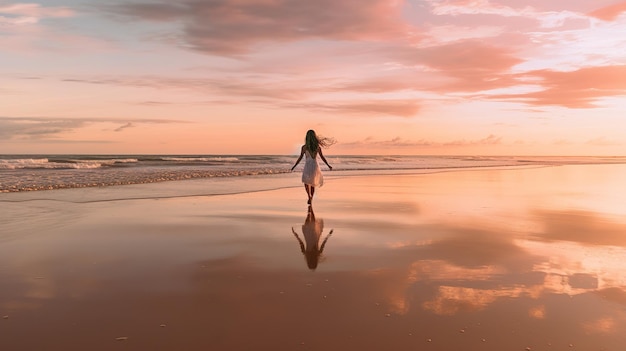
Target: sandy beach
point(524, 258)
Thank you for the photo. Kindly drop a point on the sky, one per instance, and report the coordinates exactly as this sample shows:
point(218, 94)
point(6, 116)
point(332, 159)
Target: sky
point(419, 77)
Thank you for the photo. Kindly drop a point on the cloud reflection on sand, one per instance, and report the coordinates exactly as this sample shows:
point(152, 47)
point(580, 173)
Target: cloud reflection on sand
point(453, 258)
point(543, 245)
point(472, 271)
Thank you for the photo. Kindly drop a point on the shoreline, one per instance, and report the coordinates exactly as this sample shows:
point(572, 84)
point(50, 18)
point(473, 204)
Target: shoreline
point(63, 172)
point(198, 186)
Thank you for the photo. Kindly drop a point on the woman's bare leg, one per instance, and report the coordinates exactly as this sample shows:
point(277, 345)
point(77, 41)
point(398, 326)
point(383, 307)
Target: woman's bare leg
point(307, 187)
point(312, 192)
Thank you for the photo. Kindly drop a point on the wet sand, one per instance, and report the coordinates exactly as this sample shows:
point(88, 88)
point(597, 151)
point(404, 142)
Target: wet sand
point(480, 259)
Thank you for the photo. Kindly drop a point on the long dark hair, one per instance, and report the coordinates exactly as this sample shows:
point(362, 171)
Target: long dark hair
point(313, 142)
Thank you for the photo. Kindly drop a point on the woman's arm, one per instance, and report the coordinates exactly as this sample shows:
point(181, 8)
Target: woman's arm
point(302, 247)
point(324, 159)
point(299, 158)
point(325, 240)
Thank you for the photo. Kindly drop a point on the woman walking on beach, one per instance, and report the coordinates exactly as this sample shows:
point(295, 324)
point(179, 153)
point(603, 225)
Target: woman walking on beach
point(311, 174)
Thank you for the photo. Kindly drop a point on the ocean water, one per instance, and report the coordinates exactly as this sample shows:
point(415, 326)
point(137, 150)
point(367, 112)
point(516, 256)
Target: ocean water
point(49, 172)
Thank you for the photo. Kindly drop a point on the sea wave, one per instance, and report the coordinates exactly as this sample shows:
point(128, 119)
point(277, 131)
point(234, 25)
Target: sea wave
point(200, 159)
point(62, 180)
point(43, 172)
point(45, 163)
point(24, 163)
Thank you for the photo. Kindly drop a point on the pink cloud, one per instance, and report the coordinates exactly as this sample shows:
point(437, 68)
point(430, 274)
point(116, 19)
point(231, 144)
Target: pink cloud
point(575, 89)
point(463, 56)
point(50, 127)
point(24, 29)
point(229, 86)
point(265, 92)
point(468, 66)
point(474, 7)
point(20, 14)
point(385, 84)
point(400, 108)
point(546, 18)
point(232, 27)
point(125, 126)
point(609, 13)
point(36, 10)
point(473, 65)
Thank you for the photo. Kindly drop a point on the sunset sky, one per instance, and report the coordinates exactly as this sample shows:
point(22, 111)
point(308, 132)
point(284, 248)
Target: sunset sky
point(456, 77)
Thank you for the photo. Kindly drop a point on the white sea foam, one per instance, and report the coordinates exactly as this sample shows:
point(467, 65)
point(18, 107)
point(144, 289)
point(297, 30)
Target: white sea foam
point(23, 163)
point(89, 164)
point(81, 165)
point(200, 159)
point(125, 160)
point(46, 164)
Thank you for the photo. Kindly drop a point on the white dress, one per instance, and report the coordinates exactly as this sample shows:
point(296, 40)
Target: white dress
point(312, 231)
point(312, 174)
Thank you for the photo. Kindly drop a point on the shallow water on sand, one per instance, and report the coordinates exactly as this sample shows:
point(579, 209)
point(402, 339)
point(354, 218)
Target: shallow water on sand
point(501, 259)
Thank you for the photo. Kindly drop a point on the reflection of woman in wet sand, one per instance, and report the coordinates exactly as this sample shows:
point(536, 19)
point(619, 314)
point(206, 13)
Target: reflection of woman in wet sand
point(312, 230)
